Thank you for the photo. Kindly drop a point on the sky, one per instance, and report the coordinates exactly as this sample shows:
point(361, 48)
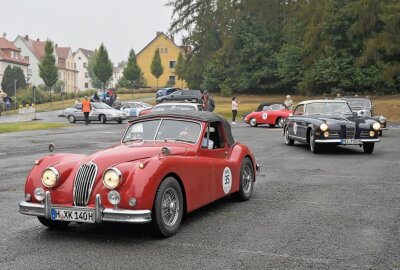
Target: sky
point(120, 24)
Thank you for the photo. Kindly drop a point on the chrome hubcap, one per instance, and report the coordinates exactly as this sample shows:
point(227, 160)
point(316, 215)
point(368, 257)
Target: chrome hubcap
point(247, 179)
point(170, 207)
point(280, 122)
point(253, 122)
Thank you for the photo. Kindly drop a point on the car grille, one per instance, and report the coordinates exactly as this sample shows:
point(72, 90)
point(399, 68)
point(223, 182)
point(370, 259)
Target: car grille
point(333, 135)
point(83, 184)
point(350, 131)
point(364, 134)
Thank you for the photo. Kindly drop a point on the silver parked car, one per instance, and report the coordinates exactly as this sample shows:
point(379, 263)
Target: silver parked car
point(100, 112)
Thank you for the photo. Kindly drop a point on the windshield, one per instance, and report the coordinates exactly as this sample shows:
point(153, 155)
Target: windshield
point(100, 105)
point(171, 107)
point(359, 103)
point(328, 108)
point(165, 130)
point(274, 107)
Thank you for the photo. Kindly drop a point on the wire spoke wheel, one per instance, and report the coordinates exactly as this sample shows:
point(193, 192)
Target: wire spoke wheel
point(170, 207)
point(247, 179)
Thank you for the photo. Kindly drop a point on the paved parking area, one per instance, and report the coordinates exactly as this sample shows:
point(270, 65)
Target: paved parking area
point(336, 210)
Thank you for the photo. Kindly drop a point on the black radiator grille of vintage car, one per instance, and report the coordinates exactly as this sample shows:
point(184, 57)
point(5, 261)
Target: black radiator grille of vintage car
point(364, 134)
point(83, 184)
point(350, 131)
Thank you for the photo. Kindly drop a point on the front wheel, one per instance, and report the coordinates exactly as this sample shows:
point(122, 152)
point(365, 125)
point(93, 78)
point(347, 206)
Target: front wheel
point(288, 141)
point(368, 147)
point(253, 122)
point(53, 224)
point(246, 180)
point(280, 122)
point(71, 119)
point(314, 147)
point(119, 121)
point(168, 207)
point(380, 133)
point(103, 118)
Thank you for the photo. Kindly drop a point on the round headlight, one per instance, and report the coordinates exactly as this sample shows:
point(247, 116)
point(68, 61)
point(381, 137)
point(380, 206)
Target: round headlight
point(372, 133)
point(326, 134)
point(50, 177)
point(376, 126)
point(382, 119)
point(113, 197)
point(323, 127)
point(39, 194)
point(112, 178)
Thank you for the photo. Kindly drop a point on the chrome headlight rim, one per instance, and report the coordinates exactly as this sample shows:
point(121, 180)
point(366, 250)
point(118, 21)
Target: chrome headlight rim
point(382, 119)
point(119, 175)
point(376, 126)
point(56, 175)
point(323, 127)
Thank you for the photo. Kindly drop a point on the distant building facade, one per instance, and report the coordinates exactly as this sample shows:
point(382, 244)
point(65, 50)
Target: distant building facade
point(66, 68)
point(169, 53)
point(81, 60)
point(11, 56)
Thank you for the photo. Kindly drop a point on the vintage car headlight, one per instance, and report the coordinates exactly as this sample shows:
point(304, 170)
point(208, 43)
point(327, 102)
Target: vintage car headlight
point(39, 194)
point(50, 177)
point(112, 178)
point(376, 126)
point(372, 133)
point(113, 197)
point(382, 119)
point(326, 134)
point(323, 127)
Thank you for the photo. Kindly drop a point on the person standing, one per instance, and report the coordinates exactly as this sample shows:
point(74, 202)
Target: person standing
point(86, 108)
point(76, 101)
point(288, 102)
point(208, 102)
point(235, 105)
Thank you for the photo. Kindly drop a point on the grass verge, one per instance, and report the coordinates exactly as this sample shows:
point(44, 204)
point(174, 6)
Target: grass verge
point(24, 126)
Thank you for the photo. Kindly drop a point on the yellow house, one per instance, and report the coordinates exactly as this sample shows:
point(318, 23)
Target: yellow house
point(66, 68)
point(169, 52)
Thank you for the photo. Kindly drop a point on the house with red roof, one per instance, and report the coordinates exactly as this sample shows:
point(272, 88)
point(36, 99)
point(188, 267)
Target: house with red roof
point(10, 55)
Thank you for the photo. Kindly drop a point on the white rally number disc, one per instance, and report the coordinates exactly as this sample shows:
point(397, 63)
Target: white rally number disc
point(227, 180)
point(264, 116)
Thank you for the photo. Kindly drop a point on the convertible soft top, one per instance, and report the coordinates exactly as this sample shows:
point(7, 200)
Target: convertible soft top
point(262, 105)
point(193, 115)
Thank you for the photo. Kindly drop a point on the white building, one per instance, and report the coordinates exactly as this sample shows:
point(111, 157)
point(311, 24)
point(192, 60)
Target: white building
point(116, 76)
point(81, 59)
point(11, 56)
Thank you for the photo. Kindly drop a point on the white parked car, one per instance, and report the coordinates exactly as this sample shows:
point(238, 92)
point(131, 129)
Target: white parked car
point(133, 108)
point(100, 112)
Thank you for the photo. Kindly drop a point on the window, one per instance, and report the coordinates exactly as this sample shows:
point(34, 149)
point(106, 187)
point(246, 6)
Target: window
point(79, 58)
point(26, 58)
point(215, 135)
point(172, 64)
point(172, 79)
point(74, 65)
point(299, 110)
point(84, 64)
point(163, 50)
point(86, 75)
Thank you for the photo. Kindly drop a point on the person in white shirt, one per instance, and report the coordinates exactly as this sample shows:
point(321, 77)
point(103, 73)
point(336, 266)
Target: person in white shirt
point(235, 105)
point(288, 102)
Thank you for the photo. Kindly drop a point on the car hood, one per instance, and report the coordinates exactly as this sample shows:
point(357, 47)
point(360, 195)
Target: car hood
point(343, 120)
point(127, 152)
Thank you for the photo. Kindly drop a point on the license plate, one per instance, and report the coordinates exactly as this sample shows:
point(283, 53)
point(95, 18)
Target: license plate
point(351, 141)
point(70, 214)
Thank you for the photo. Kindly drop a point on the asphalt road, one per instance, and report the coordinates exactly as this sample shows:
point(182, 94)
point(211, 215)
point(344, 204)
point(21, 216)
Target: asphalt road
point(337, 210)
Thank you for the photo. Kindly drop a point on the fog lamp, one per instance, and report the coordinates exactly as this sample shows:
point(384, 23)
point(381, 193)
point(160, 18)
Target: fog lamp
point(326, 134)
point(376, 126)
point(39, 194)
point(372, 133)
point(28, 197)
point(132, 202)
point(50, 177)
point(113, 197)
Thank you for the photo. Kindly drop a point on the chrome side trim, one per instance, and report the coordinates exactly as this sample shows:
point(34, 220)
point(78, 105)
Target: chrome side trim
point(339, 141)
point(101, 213)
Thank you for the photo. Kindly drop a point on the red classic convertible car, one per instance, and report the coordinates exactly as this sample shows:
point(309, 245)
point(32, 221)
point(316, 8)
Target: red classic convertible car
point(166, 164)
point(271, 114)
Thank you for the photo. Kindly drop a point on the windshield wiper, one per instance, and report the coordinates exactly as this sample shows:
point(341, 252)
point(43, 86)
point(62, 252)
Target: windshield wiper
point(135, 140)
point(177, 140)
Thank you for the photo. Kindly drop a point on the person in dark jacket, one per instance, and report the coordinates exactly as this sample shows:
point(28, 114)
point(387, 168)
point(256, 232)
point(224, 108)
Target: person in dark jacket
point(208, 102)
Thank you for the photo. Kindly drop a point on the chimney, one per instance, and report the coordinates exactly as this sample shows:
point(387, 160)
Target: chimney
point(158, 33)
point(26, 37)
point(38, 39)
point(172, 38)
point(56, 45)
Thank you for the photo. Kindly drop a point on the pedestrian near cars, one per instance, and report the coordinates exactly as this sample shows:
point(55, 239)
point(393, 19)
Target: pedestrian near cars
point(86, 108)
point(76, 101)
point(288, 102)
point(208, 102)
point(235, 105)
point(117, 104)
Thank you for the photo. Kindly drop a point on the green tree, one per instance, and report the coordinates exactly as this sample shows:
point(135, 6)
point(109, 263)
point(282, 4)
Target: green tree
point(103, 67)
point(132, 73)
point(48, 70)
point(9, 77)
point(180, 67)
point(94, 81)
point(156, 67)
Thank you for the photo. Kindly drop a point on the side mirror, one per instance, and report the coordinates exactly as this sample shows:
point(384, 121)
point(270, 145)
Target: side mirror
point(52, 148)
point(354, 114)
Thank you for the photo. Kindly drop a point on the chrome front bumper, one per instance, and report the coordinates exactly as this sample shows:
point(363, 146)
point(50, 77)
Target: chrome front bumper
point(340, 141)
point(101, 213)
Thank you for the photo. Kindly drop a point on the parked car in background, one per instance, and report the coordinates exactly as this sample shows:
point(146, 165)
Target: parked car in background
point(182, 95)
point(330, 122)
point(133, 108)
point(159, 171)
point(268, 113)
point(100, 112)
point(364, 107)
point(166, 91)
point(166, 107)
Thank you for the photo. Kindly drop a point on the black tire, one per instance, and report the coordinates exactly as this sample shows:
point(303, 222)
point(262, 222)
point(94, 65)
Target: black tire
point(288, 141)
point(246, 181)
point(253, 122)
point(279, 122)
point(164, 100)
point(71, 119)
point(168, 191)
point(119, 121)
point(314, 147)
point(53, 224)
point(380, 133)
point(102, 118)
point(368, 148)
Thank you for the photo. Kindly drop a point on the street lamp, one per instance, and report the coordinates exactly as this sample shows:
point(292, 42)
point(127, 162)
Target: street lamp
point(15, 92)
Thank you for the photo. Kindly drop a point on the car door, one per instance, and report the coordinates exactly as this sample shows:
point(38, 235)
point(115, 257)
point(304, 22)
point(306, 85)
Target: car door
point(177, 95)
point(77, 111)
point(297, 124)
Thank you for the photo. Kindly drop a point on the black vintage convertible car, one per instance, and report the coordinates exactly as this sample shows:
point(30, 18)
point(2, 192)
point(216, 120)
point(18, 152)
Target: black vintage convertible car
point(319, 122)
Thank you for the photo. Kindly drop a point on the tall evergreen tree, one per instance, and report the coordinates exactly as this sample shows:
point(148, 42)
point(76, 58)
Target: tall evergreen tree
point(103, 67)
point(48, 70)
point(94, 81)
point(132, 73)
point(9, 77)
point(156, 67)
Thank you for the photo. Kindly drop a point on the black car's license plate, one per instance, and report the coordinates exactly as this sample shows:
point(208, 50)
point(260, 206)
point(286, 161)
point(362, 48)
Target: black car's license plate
point(351, 141)
point(71, 214)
